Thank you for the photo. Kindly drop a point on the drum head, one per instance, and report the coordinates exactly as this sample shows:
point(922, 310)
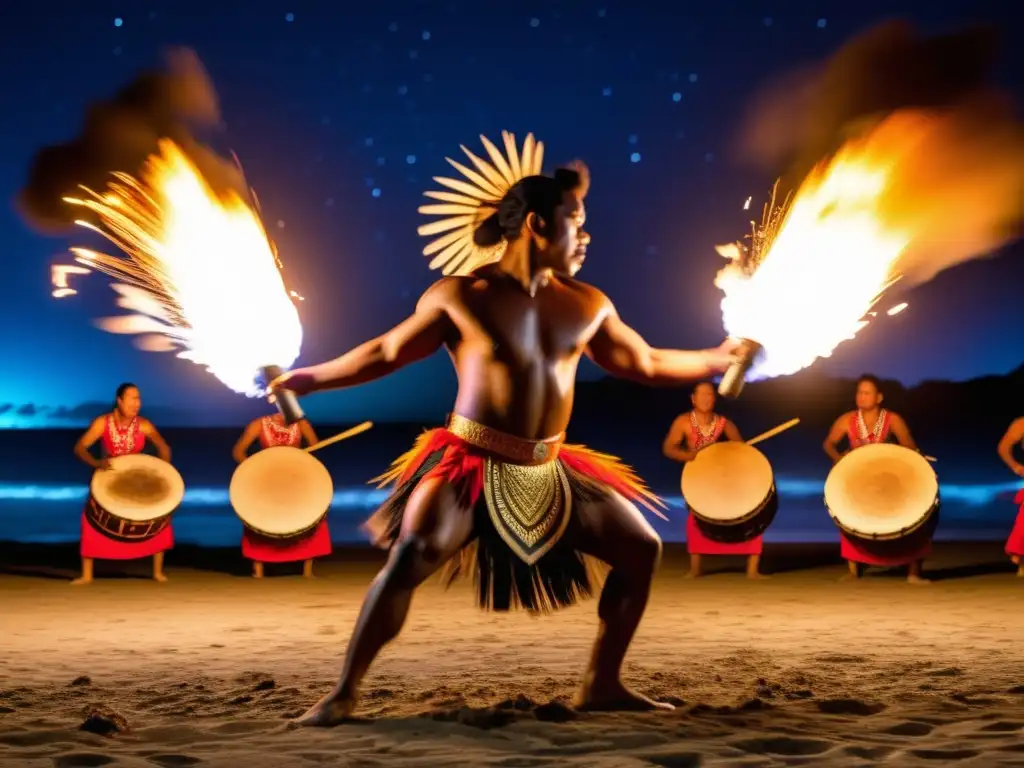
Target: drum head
point(726, 482)
point(880, 489)
point(281, 490)
point(138, 487)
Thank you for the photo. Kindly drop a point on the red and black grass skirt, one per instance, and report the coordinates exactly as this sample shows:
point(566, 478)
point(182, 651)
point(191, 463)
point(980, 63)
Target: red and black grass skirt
point(562, 577)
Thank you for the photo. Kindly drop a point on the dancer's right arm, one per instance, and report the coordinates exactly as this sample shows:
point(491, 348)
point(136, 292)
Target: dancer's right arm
point(241, 450)
point(675, 445)
point(835, 436)
point(88, 440)
point(415, 338)
point(1014, 435)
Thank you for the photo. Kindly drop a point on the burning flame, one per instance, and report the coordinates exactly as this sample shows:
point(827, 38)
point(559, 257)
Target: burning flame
point(198, 270)
point(819, 263)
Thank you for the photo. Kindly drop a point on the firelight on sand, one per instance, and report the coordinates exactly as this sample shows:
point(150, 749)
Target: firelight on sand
point(198, 271)
point(917, 193)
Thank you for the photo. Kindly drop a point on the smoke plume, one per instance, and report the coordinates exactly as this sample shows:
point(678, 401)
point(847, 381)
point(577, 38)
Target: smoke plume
point(119, 133)
point(927, 112)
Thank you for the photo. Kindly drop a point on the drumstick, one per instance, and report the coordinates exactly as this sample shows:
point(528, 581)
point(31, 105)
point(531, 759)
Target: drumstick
point(773, 432)
point(930, 458)
point(341, 436)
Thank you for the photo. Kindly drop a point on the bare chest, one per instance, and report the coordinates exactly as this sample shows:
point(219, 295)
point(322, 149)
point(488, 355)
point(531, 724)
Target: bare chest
point(523, 331)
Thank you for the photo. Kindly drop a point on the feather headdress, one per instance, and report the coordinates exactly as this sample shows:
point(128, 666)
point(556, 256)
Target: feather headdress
point(472, 200)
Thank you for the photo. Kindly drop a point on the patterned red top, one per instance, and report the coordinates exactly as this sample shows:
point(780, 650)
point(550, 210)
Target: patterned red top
point(273, 431)
point(701, 437)
point(860, 434)
point(119, 441)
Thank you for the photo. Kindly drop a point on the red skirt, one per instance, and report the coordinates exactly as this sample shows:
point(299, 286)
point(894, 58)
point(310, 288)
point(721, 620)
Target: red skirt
point(1015, 544)
point(99, 546)
point(699, 544)
point(263, 550)
point(863, 553)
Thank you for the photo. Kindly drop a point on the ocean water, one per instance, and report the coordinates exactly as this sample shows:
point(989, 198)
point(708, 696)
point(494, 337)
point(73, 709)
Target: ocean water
point(43, 486)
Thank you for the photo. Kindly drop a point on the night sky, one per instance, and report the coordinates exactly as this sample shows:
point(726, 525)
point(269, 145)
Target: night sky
point(341, 118)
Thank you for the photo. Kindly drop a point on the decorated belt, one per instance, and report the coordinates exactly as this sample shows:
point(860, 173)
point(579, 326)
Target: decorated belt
point(502, 445)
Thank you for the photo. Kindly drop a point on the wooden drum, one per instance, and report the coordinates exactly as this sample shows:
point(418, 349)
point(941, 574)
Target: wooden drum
point(281, 492)
point(730, 491)
point(134, 499)
point(885, 496)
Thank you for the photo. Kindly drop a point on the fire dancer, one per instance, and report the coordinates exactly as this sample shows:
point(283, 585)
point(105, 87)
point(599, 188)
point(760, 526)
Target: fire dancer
point(871, 423)
point(688, 434)
point(498, 485)
point(1015, 544)
point(270, 431)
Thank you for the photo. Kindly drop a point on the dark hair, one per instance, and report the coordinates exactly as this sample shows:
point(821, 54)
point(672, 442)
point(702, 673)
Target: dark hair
point(537, 194)
point(871, 379)
point(700, 384)
point(121, 390)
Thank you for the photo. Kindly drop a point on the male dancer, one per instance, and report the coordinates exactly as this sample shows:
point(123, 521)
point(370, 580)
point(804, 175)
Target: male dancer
point(688, 434)
point(871, 423)
point(515, 323)
point(1015, 543)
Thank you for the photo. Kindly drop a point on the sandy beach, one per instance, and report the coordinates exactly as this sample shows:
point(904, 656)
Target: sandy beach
point(796, 670)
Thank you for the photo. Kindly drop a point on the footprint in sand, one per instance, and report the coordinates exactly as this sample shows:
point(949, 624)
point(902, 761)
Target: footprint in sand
point(868, 753)
point(81, 760)
point(677, 760)
point(947, 672)
point(849, 707)
point(944, 754)
point(909, 729)
point(783, 745)
point(173, 761)
point(1003, 726)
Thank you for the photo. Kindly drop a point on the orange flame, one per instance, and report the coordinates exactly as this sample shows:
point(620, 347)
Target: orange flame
point(199, 270)
point(916, 194)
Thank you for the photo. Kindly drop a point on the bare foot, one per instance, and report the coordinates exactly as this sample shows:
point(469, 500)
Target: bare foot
point(850, 577)
point(1020, 572)
point(159, 577)
point(918, 580)
point(757, 576)
point(330, 711)
point(257, 575)
point(82, 580)
point(308, 576)
point(615, 697)
point(692, 575)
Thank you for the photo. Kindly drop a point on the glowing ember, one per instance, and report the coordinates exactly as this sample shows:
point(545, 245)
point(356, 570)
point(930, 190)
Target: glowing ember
point(897, 309)
point(911, 197)
point(198, 269)
point(59, 277)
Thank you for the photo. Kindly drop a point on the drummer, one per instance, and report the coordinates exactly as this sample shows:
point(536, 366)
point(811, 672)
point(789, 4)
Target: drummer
point(121, 432)
point(1015, 544)
point(271, 431)
point(871, 423)
point(689, 433)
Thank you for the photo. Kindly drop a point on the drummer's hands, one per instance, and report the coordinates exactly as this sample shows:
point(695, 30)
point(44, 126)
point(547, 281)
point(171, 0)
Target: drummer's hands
point(104, 464)
point(299, 381)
